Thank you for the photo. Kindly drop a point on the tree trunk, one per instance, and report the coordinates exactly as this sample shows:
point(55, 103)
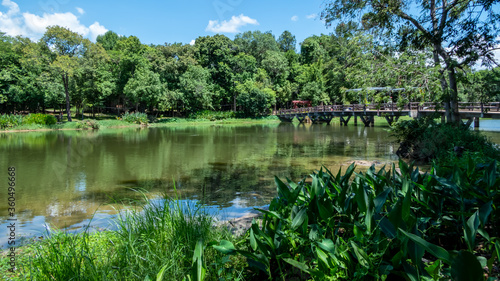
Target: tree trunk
point(66, 90)
point(449, 87)
point(455, 115)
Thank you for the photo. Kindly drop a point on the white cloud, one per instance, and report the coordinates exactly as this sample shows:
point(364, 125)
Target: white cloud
point(312, 16)
point(95, 30)
point(80, 10)
point(192, 42)
point(295, 18)
point(9, 23)
point(231, 26)
point(33, 26)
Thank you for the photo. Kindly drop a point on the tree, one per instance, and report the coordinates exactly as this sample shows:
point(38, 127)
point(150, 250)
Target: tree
point(196, 88)
point(145, 89)
point(256, 43)
point(66, 47)
point(108, 40)
point(459, 32)
point(94, 80)
point(254, 98)
point(287, 41)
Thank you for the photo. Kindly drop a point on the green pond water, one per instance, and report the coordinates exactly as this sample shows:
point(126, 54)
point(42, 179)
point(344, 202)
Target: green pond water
point(66, 178)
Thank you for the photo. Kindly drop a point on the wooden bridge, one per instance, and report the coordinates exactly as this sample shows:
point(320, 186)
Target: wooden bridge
point(471, 112)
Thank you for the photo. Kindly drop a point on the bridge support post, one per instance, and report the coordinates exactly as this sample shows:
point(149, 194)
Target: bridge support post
point(476, 122)
point(372, 121)
point(367, 120)
point(469, 122)
point(301, 119)
point(344, 122)
point(355, 121)
point(391, 119)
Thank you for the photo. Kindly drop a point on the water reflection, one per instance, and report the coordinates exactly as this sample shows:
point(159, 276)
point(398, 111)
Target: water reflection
point(65, 178)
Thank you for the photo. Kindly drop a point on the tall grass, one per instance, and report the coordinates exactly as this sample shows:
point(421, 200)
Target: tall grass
point(160, 236)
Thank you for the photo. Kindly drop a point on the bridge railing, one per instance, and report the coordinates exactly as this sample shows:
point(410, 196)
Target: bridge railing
point(385, 107)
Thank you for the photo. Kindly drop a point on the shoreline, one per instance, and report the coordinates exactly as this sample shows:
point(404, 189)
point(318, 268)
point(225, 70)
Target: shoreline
point(183, 122)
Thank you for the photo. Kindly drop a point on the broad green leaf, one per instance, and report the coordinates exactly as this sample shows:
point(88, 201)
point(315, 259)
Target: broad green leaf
point(225, 247)
point(323, 257)
point(315, 187)
point(282, 189)
point(198, 270)
point(490, 176)
point(302, 266)
point(470, 230)
point(408, 189)
point(327, 245)
point(466, 267)
point(253, 242)
point(484, 212)
point(434, 250)
point(161, 273)
point(387, 228)
point(360, 255)
point(433, 269)
point(270, 213)
point(299, 219)
point(379, 201)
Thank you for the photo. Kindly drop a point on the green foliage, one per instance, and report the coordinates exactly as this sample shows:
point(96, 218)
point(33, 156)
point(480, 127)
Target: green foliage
point(254, 99)
point(424, 139)
point(40, 119)
point(378, 225)
point(155, 241)
point(136, 117)
point(88, 124)
point(10, 120)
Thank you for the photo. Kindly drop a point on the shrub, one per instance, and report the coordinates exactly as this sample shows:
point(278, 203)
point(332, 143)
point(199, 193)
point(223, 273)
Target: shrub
point(10, 120)
point(88, 124)
point(379, 225)
point(424, 140)
point(39, 119)
point(137, 118)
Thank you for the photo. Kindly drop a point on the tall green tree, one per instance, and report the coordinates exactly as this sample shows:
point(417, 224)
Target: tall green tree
point(287, 41)
point(108, 40)
point(145, 90)
point(95, 82)
point(66, 47)
point(196, 88)
point(458, 32)
point(256, 43)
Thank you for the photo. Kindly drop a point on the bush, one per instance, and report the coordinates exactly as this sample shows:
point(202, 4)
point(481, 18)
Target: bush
point(379, 225)
point(9, 121)
point(424, 140)
point(88, 124)
point(39, 119)
point(137, 118)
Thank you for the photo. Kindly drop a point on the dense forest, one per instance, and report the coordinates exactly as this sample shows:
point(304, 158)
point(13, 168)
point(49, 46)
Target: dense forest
point(252, 74)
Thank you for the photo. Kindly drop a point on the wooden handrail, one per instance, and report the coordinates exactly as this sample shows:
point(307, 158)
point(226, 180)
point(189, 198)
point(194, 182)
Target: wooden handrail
point(383, 107)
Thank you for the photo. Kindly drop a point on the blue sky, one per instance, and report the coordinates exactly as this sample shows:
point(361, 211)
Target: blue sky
point(159, 22)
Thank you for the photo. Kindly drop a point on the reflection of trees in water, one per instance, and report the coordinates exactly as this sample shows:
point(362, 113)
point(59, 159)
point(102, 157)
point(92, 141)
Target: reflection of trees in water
point(219, 165)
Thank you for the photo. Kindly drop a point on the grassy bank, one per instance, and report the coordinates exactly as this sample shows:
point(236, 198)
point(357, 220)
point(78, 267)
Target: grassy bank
point(107, 123)
point(160, 237)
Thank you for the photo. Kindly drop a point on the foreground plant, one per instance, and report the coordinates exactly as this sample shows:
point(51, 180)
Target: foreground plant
point(379, 225)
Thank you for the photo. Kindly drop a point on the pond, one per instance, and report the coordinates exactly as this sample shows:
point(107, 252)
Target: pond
point(70, 179)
